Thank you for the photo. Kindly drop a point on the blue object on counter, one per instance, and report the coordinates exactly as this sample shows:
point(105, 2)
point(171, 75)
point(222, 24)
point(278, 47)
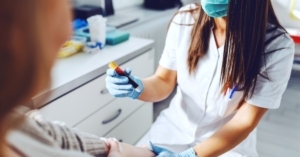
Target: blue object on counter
point(117, 36)
point(94, 45)
point(113, 35)
point(79, 23)
point(85, 32)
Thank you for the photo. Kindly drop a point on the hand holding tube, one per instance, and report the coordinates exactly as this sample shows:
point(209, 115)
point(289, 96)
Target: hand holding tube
point(120, 86)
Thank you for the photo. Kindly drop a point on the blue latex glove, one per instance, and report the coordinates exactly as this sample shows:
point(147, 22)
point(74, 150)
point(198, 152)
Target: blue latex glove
point(119, 87)
point(162, 152)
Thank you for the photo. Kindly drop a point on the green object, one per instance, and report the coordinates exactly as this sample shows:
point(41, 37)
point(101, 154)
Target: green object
point(115, 37)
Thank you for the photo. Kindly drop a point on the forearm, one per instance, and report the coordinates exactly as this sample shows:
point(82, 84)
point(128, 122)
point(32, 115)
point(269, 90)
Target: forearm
point(232, 133)
point(132, 151)
point(156, 89)
point(228, 137)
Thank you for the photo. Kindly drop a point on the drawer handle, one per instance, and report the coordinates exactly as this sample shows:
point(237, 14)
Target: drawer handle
point(113, 118)
point(104, 91)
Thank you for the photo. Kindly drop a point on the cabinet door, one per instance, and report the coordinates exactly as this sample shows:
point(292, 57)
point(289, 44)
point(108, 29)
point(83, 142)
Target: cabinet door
point(143, 65)
point(134, 127)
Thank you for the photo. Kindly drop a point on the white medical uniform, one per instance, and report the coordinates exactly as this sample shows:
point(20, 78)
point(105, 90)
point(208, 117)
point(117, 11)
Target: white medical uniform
point(198, 110)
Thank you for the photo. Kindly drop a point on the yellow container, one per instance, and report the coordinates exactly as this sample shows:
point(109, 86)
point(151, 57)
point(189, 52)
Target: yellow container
point(70, 48)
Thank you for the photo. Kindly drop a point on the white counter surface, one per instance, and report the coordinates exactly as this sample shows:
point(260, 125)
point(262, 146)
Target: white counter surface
point(75, 71)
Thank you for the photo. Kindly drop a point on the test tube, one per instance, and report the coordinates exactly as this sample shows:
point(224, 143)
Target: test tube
point(119, 71)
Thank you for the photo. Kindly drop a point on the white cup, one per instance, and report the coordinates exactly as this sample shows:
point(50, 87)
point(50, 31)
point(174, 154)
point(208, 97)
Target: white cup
point(97, 26)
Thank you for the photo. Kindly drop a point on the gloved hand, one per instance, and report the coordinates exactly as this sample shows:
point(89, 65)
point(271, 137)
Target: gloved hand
point(119, 86)
point(162, 152)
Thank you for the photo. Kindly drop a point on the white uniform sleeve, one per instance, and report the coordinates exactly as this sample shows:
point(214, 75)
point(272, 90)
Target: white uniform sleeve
point(268, 93)
point(168, 58)
point(176, 30)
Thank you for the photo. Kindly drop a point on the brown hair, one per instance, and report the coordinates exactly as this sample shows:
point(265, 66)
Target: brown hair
point(24, 65)
point(244, 49)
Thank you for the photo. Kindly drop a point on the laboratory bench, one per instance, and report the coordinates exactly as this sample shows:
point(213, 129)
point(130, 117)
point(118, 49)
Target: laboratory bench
point(78, 94)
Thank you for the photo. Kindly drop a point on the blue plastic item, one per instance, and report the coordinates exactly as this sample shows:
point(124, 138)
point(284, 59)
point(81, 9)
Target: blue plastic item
point(117, 36)
point(85, 32)
point(79, 23)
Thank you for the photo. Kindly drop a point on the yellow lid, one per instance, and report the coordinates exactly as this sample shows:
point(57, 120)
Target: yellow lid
point(113, 65)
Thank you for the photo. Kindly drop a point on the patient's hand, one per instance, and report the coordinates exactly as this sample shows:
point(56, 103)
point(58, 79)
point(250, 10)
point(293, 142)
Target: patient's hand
point(114, 149)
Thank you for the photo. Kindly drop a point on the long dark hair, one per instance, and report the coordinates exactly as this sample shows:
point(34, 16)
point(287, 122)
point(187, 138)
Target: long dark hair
point(244, 49)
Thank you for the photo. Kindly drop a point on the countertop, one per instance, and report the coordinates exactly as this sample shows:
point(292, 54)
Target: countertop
point(75, 71)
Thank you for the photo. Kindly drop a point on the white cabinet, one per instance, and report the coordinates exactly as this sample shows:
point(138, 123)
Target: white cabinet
point(110, 116)
point(78, 104)
point(92, 109)
point(135, 126)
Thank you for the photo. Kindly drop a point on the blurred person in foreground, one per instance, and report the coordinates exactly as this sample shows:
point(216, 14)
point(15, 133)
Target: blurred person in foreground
point(31, 33)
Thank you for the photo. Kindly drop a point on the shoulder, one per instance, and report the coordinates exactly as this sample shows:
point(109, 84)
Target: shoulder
point(186, 15)
point(278, 44)
point(277, 38)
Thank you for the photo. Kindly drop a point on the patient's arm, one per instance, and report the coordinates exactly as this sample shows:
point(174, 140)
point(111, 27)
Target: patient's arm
point(128, 150)
point(132, 151)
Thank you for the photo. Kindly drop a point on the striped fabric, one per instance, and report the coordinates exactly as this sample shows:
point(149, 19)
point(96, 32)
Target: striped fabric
point(57, 135)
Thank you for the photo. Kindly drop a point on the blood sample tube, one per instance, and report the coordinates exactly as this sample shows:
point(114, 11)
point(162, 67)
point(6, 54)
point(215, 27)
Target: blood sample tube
point(119, 71)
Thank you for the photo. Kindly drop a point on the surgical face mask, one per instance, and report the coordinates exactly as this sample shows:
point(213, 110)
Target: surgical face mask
point(215, 8)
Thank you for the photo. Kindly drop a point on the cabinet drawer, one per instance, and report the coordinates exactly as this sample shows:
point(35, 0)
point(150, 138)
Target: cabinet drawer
point(110, 116)
point(78, 104)
point(135, 126)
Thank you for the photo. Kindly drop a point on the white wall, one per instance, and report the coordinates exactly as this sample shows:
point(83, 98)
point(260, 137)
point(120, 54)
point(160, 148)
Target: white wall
point(282, 10)
point(119, 4)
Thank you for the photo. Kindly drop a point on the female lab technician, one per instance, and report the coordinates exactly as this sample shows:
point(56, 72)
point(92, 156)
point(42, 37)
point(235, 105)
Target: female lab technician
point(232, 62)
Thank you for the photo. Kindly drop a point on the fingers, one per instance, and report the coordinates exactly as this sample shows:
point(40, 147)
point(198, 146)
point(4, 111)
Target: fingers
point(117, 79)
point(105, 143)
point(117, 85)
point(157, 150)
point(128, 71)
point(127, 87)
point(119, 93)
point(114, 145)
point(111, 72)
